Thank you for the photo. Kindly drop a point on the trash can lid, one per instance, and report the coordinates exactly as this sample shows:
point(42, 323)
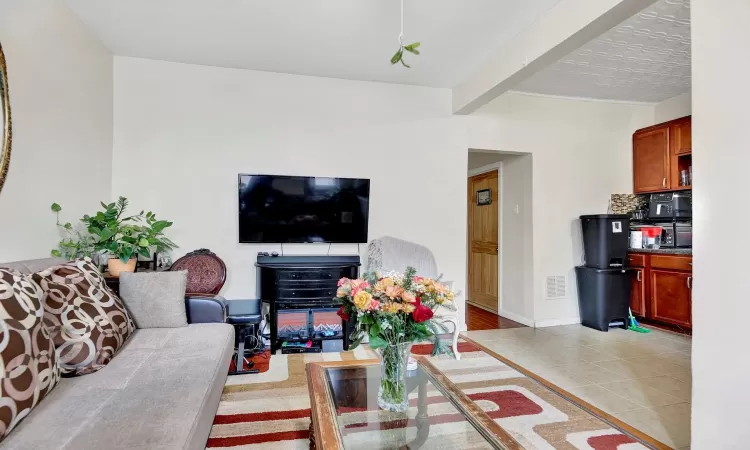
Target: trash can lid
point(605, 216)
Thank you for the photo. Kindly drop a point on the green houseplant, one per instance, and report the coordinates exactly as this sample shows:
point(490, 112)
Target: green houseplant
point(123, 237)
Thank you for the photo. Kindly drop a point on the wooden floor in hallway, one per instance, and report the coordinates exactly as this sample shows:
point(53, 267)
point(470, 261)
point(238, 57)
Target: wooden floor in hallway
point(479, 319)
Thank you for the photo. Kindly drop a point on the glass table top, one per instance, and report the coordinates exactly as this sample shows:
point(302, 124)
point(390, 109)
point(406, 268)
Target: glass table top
point(434, 420)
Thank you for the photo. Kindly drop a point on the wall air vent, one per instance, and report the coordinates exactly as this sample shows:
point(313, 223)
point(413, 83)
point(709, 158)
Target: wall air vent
point(555, 287)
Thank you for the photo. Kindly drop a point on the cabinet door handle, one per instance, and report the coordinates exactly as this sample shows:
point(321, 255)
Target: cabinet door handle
point(664, 182)
point(688, 282)
point(638, 275)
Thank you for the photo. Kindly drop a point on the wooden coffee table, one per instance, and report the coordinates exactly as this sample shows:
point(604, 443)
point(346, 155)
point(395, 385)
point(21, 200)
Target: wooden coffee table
point(345, 412)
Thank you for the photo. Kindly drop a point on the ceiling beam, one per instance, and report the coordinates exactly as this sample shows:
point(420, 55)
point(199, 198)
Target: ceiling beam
point(566, 27)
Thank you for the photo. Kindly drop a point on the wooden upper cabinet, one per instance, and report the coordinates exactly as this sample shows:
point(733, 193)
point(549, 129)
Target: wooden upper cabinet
point(682, 139)
point(671, 297)
point(651, 160)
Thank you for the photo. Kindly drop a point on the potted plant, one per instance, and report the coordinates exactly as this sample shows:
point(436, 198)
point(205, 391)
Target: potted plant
point(394, 310)
point(122, 237)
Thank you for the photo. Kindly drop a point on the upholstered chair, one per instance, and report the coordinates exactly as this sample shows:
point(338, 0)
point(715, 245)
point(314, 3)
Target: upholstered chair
point(207, 274)
point(388, 253)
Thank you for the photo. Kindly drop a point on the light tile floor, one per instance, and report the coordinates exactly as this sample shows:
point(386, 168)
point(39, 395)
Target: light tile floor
point(642, 379)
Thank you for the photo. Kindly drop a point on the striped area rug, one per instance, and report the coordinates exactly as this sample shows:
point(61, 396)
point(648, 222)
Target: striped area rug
point(271, 410)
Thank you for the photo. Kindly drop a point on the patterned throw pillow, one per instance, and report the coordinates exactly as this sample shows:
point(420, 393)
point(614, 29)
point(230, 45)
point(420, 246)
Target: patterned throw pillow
point(87, 321)
point(29, 368)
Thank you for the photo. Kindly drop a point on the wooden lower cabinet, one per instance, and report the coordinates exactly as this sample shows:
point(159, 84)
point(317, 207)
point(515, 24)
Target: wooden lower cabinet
point(671, 297)
point(661, 289)
point(638, 293)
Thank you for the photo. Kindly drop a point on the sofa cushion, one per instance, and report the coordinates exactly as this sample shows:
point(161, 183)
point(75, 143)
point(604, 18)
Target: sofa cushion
point(27, 354)
point(159, 392)
point(155, 299)
point(87, 321)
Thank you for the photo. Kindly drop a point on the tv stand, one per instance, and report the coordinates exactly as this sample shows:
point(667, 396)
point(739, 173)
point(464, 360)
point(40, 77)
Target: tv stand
point(301, 291)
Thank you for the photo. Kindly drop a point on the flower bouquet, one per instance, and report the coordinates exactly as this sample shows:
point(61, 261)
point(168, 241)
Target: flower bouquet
point(394, 310)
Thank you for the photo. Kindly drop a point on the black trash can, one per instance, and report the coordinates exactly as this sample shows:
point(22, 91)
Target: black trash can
point(603, 296)
point(605, 240)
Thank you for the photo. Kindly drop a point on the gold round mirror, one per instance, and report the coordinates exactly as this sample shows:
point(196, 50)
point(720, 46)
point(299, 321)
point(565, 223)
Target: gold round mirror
point(5, 126)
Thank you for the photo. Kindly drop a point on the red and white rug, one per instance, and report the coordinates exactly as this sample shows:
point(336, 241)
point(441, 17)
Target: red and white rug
point(271, 410)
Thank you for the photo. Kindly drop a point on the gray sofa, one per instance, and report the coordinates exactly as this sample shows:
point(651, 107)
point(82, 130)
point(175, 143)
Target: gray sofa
point(160, 391)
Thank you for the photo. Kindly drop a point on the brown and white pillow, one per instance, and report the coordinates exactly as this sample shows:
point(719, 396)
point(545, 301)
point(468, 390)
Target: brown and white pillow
point(29, 369)
point(87, 321)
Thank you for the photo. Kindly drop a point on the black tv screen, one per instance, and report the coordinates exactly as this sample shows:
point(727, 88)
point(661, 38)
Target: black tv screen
point(286, 209)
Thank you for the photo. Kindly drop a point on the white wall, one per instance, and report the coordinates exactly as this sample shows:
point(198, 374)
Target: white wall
point(673, 108)
point(184, 132)
point(581, 153)
point(60, 82)
point(517, 269)
point(721, 93)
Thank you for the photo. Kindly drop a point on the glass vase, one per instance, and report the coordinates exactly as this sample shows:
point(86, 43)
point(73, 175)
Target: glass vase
point(393, 395)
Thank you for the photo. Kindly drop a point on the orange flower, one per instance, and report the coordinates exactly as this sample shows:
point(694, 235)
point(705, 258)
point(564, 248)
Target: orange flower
point(408, 307)
point(383, 284)
point(391, 307)
point(408, 297)
point(394, 292)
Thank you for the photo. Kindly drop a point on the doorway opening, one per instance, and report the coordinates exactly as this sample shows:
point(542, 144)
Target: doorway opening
point(496, 292)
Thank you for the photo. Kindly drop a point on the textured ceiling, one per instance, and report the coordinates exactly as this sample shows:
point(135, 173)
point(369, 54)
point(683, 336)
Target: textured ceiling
point(644, 59)
point(352, 39)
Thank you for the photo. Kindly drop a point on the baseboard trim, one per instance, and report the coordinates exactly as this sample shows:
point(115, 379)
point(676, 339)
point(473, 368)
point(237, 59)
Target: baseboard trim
point(557, 322)
point(516, 318)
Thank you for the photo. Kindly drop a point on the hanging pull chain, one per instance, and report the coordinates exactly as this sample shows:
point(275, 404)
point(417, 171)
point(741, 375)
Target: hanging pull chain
point(401, 36)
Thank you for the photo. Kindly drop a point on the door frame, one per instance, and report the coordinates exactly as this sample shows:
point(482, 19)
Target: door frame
point(498, 166)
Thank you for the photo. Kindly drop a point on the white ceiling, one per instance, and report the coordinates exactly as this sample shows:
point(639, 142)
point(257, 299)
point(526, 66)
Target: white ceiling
point(351, 39)
point(644, 59)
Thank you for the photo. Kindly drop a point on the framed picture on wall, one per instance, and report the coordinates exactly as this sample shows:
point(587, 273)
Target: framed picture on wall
point(484, 197)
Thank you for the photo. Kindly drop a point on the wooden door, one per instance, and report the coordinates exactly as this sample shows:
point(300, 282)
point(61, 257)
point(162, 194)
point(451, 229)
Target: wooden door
point(638, 293)
point(483, 242)
point(651, 160)
point(682, 136)
point(671, 297)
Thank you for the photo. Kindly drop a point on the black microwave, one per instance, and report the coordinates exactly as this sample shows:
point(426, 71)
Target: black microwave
point(671, 205)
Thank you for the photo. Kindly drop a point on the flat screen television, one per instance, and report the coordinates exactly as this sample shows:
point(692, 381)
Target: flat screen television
point(287, 209)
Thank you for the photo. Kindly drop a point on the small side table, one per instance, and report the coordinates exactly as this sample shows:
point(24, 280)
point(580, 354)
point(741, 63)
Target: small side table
point(246, 316)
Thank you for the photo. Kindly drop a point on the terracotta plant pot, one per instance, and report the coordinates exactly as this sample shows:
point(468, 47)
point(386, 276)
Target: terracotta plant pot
point(115, 266)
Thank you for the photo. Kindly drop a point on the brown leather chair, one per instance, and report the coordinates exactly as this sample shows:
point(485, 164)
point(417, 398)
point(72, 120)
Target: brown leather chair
point(207, 274)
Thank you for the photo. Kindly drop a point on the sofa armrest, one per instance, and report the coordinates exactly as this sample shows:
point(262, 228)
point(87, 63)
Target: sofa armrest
point(205, 308)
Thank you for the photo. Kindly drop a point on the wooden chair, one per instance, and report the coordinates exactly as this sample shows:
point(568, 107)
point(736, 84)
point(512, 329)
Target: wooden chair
point(207, 273)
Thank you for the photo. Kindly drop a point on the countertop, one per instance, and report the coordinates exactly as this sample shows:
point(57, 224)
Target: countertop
point(663, 251)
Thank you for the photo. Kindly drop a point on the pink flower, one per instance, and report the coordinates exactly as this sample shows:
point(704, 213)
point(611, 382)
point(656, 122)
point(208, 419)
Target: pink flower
point(343, 281)
point(374, 305)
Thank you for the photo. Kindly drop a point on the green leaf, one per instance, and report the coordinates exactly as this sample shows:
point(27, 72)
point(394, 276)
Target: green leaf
point(377, 342)
point(412, 46)
point(68, 226)
point(375, 329)
point(405, 65)
point(56, 208)
point(143, 243)
point(106, 234)
point(157, 227)
point(56, 253)
point(397, 56)
point(144, 252)
point(366, 319)
point(412, 50)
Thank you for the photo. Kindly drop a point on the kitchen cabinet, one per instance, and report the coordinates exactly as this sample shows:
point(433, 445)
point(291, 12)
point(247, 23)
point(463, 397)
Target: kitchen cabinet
point(660, 153)
point(651, 160)
point(682, 139)
point(671, 298)
point(638, 293)
point(662, 288)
